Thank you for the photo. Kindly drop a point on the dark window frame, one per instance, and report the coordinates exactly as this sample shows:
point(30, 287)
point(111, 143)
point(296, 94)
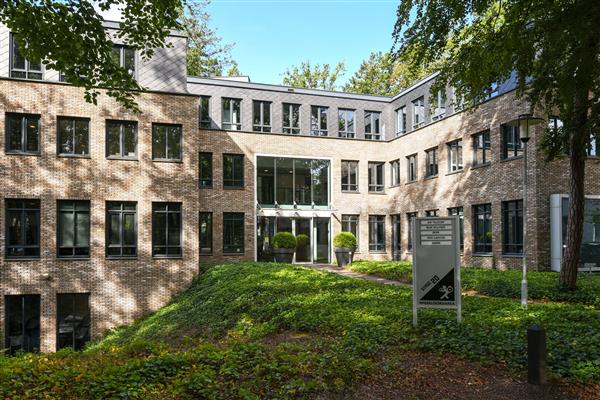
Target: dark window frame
point(482, 142)
point(374, 131)
point(460, 213)
point(27, 70)
point(121, 155)
point(234, 182)
point(204, 120)
point(167, 142)
point(455, 155)
point(261, 126)
point(431, 162)
point(75, 212)
point(322, 117)
point(24, 121)
point(230, 125)
point(485, 246)
point(343, 114)
point(59, 141)
point(209, 176)
point(209, 243)
point(512, 240)
point(22, 210)
point(409, 219)
point(511, 142)
point(346, 170)
point(376, 226)
point(30, 299)
point(87, 326)
point(412, 170)
point(122, 49)
point(377, 182)
point(167, 210)
point(290, 128)
point(234, 217)
point(121, 212)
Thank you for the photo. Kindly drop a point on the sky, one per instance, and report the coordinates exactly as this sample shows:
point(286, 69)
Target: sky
point(272, 35)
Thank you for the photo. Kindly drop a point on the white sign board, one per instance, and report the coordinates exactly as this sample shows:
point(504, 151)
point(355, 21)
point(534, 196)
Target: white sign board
point(436, 264)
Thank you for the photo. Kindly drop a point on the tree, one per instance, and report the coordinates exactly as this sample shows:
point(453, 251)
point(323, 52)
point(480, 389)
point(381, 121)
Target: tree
point(206, 54)
point(553, 47)
point(317, 77)
point(68, 36)
point(234, 71)
point(383, 74)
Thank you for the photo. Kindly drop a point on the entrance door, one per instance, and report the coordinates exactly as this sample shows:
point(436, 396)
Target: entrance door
point(396, 240)
point(321, 230)
point(303, 239)
point(22, 323)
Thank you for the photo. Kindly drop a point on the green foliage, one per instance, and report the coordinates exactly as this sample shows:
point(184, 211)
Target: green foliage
point(394, 270)
point(317, 77)
point(284, 240)
point(345, 240)
point(302, 240)
point(69, 37)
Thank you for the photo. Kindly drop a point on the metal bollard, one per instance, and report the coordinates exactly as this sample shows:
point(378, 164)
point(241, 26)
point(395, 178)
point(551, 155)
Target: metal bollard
point(536, 355)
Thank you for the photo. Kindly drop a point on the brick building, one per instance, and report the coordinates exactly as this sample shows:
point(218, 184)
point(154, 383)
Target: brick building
point(106, 214)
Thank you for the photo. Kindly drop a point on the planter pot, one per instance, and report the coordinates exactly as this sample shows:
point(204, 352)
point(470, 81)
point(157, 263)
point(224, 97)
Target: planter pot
point(283, 255)
point(344, 256)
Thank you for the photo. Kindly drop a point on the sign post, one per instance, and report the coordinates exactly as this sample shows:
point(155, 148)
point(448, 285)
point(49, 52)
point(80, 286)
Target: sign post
point(436, 264)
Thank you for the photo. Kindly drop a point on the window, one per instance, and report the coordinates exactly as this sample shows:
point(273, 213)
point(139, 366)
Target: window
point(455, 160)
point(261, 116)
point(232, 114)
point(512, 227)
point(458, 211)
point(395, 172)
point(72, 320)
point(233, 170)
point(73, 136)
point(372, 125)
point(22, 323)
point(206, 173)
point(166, 142)
point(204, 112)
point(20, 67)
point(438, 105)
point(22, 228)
point(121, 139)
point(511, 142)
point(481, 148)
point(346, 123)
point(400, 121)
point(410, 217)
point(318, 121)
point(73, 228)
point(350, 176)
point(431, 213)
point(412, 168)
point(376, 177)
point(431, 160)
point(291, 118)
point(22, 133)
point(350, 224)
point(376, 232)
point(592, 146)
point(125, 57)
point(493, 90)
point(206, 232)
point(418, 112)
point(482, 228)
point(233, 233)
point(166, 230)
point(121, 229)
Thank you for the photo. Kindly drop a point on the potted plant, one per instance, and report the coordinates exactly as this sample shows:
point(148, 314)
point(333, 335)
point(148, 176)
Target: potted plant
point(344, 244)
point(284, 245)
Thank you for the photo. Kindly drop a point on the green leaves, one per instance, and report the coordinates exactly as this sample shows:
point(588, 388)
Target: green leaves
point(314, 77)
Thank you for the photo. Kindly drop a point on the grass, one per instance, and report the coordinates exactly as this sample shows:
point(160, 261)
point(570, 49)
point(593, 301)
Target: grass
point(542, 285)
point(259, 330)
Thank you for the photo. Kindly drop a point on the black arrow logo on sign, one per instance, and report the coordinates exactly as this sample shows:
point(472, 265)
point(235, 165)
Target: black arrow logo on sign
point(443, 290)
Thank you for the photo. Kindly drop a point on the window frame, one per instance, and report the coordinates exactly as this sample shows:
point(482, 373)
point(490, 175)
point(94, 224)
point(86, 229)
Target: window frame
point(432, 169)
point(232, 184)
point(395, 172)
point(88, 326)
point(459, 211)
point(108, 225)
point(377, 222)
point(24, 121)
point(346, 221)
point(374, 185)
point(72, 120)
point(177, 211)
point(343, 116)
point(210, 170)
point(290, 129)
point(231, 126)
point(482, 141)
point(372, 117)
point(261, 126)
point(27, 70)
point(418, 104)
point(322, 117)
point(209, 248)
point(438, 112)
point(514, 148)
point(121, 140)
point(22, 210)
point(121, 48)
point(409, 220)
point(401, 120)
point(204, 120)
point(486, 246)
point(412, 174)
point(346, 168)
point(233, 217)
point(75, 212)
point(455, 156)
point(156, 125)
point(514, 247)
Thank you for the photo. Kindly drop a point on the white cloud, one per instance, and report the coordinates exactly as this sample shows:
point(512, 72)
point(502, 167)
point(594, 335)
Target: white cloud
point(112, 14)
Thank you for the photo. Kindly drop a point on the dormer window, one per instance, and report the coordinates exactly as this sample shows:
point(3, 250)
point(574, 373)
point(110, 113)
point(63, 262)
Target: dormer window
point(125, 57)
point(20, 67)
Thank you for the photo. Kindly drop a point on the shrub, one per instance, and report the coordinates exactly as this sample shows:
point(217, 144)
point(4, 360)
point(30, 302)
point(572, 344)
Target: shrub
point(345, 240)
point(284, 240)
point(302, 240)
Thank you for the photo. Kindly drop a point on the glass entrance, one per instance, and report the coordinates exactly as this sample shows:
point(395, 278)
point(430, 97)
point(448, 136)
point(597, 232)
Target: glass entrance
point(321, 228)
point(303, 242)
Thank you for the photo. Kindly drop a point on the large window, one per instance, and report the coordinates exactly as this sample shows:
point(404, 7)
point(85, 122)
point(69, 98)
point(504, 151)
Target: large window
point(372, 125)
point(481, 148)
point(418, 112)
point(206, 170)
point(206, 233)
point(410, 217)
point(73, 228)
point(121, 139)
point(512, 227)
point(233, 170)
point(261, 119)
point(376, 232)
point(350, 176)
point(166, 230)
point(350, 224)
point(291, 118)
point(376, 182)
point(438, 105)
point(22, 228)
point(204, 112)
point(290, 182)
point(482, 228)
point(318, 121)
point(22, 133)
point(166, 142)
point(22, 323)
point(431, 162)
point(455, 158)
point(459, 212)
point(511, 142)
point(346, 123)
point(73, 136)
point(125, 57)
point(20, 67)
point(72, 320)
point(233, 233)
point(401, 121)
point(395, 172)
point(411, 172)
point(121, 229)
point(232, 114)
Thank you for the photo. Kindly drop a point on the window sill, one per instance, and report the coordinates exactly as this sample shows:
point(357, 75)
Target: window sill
point(458, 171)
point(377, 252)
point(511, 158)
point(394, 186)
point(21, 153)
point(351, 191)
point(512, 255)
point(482, 254)
point(86, 258)
point(11, 259)
point(382, 192)
point(485, 164)
point(122, 158)
point(84, 156)
point(233, 187)
point(206, 254)
point(158, 257)
point(233, 254)
point(160, 160)
point(427, 178)
point(410, 182)
point(114, 258)
point(205, 187)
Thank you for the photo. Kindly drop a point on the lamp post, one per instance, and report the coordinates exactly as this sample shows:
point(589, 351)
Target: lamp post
point(525, 122)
